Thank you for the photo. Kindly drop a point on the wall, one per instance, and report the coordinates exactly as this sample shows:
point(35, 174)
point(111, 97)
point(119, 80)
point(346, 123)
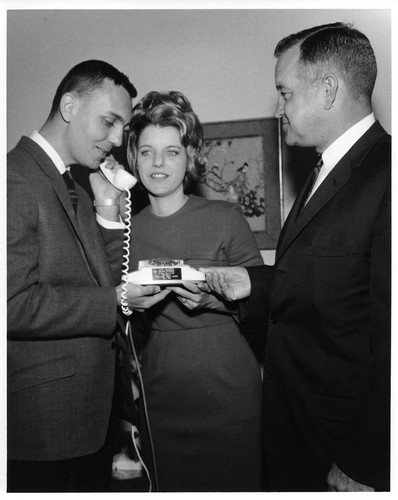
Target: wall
point(221, 59)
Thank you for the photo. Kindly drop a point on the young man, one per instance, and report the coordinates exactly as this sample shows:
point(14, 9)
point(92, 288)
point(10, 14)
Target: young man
point(327, 359)
point(64, 288)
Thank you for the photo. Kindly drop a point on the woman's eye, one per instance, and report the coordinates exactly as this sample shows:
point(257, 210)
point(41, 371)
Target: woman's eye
point(108, 123)
point(145, 152)
point(173, 152)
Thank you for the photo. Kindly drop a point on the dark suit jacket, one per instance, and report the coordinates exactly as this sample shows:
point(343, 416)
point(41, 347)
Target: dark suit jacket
point(61, 313)
point(327, 359)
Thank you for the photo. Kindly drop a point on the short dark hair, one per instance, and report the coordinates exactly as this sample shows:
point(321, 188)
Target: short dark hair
point(338, 46)
point(168, 109)
point(86, 77)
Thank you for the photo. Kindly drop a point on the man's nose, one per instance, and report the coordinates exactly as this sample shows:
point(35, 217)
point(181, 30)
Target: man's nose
point(116, 138)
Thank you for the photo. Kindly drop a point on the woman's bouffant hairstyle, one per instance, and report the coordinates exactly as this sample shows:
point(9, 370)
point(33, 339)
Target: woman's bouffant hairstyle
point(168, 109)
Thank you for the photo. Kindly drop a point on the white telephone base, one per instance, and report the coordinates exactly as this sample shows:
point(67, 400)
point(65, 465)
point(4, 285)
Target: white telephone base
point(164, 272)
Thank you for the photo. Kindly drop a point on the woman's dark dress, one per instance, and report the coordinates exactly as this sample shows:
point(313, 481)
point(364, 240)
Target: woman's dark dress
point(202, 381)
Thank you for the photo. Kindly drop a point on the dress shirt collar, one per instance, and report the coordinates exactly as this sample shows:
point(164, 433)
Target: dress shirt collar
point(333, 154)
point(47, 148)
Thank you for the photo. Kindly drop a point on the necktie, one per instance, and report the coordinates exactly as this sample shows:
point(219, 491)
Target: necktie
point(314, 177)
point(71, 188)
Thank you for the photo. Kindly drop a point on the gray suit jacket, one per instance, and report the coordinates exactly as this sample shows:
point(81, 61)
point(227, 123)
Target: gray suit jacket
point(61, 313)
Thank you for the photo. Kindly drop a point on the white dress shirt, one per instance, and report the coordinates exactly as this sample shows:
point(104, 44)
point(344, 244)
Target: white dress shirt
point(333, 154)
point(58, 162)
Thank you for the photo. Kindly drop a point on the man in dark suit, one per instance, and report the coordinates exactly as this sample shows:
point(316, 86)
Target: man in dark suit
point(64, 271)
point(327, 357)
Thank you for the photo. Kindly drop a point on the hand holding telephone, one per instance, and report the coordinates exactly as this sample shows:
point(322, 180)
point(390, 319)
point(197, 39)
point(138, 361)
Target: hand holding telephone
point(121, 179)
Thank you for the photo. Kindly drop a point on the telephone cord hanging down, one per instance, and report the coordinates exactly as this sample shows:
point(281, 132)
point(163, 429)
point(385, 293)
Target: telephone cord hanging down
point(126, 256)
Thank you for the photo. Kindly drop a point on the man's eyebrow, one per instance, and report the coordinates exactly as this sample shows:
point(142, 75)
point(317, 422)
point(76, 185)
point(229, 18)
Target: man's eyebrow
point(116, 116)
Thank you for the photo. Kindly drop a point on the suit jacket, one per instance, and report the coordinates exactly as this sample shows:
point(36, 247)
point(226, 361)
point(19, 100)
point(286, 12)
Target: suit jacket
point(61, 313)
point(327, 359)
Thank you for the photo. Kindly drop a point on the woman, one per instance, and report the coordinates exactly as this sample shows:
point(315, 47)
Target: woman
point(202, 382)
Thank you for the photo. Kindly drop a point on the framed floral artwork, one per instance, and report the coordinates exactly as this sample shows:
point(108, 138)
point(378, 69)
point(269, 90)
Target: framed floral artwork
point(245, 166)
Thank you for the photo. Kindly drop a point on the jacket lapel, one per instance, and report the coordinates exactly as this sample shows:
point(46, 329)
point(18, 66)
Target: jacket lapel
point(92, 244)
point(293, 214)
point(337, 178)
point(46, 164)
point(86, 242)
point(327, 190)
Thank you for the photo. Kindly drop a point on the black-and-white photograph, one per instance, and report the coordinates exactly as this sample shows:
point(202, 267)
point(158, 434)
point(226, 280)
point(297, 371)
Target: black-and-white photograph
point(197, 208)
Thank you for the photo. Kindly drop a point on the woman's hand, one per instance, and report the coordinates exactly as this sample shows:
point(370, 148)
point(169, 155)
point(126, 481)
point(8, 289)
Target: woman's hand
point(198, 296)
point(190, 295)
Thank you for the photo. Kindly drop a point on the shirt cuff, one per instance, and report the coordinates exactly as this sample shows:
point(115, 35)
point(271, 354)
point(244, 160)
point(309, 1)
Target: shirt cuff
point(109, 224)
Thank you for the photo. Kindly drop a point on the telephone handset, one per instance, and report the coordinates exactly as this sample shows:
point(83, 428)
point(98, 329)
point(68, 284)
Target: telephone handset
point(122, 180)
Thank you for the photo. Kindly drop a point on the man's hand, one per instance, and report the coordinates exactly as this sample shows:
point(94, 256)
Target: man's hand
point(338, 481)
point(104, 190)
point(101, 187)
point(232, 283)
point(140, 297)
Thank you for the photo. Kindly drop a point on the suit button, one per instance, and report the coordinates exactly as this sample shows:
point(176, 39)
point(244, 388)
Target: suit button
point(273, 320)
point(113, 345)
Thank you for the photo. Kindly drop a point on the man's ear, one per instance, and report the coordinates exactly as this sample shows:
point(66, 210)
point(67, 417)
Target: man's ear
point(331, 86)
point(67, 105)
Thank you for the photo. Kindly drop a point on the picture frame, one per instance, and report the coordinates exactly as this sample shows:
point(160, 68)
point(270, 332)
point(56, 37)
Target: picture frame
point(245, 166)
